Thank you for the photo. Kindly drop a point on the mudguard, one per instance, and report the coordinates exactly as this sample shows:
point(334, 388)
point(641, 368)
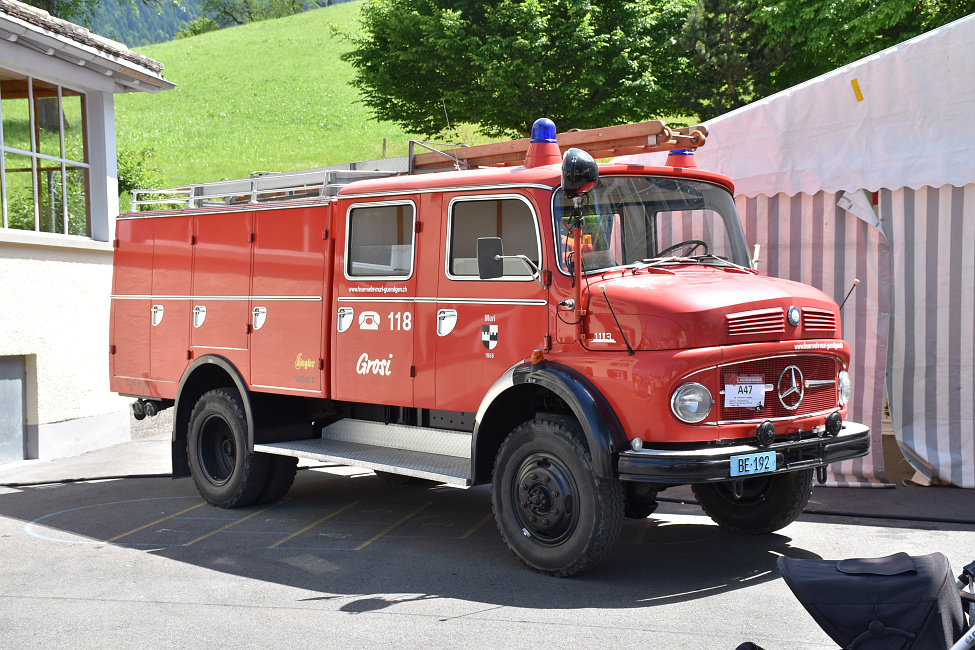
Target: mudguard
point(602, 429)
point(199, 382)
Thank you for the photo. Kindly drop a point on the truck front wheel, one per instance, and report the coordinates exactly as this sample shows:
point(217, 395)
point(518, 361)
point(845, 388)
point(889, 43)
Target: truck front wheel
point(756, 505)
point(553, 512)
point(225, 472)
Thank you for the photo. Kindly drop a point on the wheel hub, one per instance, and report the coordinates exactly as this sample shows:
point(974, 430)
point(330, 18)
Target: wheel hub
point(539, 500)
point(544, 494)
point(217, 450)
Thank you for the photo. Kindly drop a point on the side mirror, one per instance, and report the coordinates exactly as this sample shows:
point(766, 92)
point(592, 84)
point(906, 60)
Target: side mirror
point(579, 173)
point(490, 252)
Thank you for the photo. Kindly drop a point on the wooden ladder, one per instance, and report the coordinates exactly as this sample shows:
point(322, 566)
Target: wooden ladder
point(608, 142)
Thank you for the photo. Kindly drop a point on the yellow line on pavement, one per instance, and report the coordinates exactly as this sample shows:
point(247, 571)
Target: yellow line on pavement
point(398, 523)
point(307, 528)
point(220, 530)
point(158, 521)
point(486, 519)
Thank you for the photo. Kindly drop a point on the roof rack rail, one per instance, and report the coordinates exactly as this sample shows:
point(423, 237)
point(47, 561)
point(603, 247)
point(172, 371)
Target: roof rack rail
point(260, 187)
point(266, 187)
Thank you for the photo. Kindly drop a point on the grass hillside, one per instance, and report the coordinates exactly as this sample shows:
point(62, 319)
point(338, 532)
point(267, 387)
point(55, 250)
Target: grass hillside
point(268, 96)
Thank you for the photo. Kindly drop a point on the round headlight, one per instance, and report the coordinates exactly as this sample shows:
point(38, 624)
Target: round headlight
point(691, 402)
point(845, 387)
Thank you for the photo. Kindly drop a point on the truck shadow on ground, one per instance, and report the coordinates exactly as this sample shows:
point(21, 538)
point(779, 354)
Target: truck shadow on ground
point(356, 536)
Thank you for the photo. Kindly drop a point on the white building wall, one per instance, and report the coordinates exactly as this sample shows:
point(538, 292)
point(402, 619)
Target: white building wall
point(55, 289)
point(55, 312)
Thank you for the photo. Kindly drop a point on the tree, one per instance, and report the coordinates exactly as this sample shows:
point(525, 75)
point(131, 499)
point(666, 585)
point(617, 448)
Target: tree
point(742, 50)
point(826, 34)
point(501, 64)
point(83, 11)
point(730, 62)
point(227, 13)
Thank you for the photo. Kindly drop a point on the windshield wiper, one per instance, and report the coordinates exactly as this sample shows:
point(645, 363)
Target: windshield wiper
point(696, 259)
point(723, 260)
point(658, 261)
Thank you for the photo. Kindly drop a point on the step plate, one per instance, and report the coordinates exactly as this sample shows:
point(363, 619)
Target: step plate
point(436, 467)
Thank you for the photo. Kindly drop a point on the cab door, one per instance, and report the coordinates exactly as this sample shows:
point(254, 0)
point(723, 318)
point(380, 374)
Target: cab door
point(493, 323)
point(374, 303)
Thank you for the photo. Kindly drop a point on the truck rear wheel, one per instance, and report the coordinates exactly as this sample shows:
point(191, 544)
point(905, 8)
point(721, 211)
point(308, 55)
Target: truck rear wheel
point(281, 472)
point(553, 512)
point(226, 473)
point(756, 505)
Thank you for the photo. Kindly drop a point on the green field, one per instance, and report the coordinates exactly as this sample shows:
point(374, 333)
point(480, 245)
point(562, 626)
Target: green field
point(271, 96)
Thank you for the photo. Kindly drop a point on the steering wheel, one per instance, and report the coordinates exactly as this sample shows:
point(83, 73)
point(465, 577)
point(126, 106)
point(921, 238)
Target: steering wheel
point(690, 245)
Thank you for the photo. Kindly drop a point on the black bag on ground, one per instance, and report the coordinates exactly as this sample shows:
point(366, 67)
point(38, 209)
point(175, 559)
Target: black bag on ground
point(889, 603)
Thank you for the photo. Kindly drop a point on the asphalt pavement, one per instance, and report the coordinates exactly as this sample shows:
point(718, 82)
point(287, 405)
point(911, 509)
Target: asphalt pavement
point(106, 550)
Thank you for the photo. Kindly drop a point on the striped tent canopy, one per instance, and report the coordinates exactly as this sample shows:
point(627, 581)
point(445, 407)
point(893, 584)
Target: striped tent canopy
point(868, 172)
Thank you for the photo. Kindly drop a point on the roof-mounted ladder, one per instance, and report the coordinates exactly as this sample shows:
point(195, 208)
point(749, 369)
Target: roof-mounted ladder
point(621, 140)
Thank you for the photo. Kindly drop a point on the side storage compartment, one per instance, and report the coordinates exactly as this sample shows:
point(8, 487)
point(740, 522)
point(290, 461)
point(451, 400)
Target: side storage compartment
point(130, 318)
point(169, 335)
point(221, 284)
point(289, 275)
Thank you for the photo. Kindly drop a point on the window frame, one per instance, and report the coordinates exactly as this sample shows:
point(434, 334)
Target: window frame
point(490, 197)
point(36, 156)
point(556, 230)
point(346, 263)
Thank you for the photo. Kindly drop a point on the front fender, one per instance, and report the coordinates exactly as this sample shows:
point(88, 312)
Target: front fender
point(604, 434)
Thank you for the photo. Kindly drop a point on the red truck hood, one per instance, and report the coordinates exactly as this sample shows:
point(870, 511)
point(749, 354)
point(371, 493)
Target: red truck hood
point(699, 306)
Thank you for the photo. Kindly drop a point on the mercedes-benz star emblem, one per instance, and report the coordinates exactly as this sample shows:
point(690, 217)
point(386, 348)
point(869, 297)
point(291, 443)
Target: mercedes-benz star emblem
point(791, 387)
point(793, 316)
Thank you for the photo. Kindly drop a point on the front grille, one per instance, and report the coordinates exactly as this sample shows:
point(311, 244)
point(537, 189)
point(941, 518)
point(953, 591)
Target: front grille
point(816, 399)
point(760, 321)
point(818, 320)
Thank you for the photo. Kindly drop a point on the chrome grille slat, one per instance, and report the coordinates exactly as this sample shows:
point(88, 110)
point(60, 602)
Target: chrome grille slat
point(820, 391)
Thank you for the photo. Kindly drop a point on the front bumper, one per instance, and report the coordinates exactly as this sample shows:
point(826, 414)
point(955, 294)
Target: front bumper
point(714, 463)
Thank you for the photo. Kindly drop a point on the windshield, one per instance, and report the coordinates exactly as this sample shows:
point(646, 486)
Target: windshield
point(645, 219)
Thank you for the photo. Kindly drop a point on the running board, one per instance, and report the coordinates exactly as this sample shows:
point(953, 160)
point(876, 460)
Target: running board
point(436, 454)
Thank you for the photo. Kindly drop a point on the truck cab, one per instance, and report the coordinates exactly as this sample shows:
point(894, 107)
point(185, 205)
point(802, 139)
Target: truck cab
point(580, 335)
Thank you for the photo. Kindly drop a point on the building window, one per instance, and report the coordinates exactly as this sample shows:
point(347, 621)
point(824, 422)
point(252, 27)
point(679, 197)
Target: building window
point(44, 171)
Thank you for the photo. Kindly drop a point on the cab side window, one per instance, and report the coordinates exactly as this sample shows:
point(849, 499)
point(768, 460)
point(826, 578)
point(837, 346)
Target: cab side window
point(380, 241)
point(511, 219)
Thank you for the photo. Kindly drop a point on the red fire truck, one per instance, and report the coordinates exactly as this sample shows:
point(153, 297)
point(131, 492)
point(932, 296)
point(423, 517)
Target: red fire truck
point(582, 336)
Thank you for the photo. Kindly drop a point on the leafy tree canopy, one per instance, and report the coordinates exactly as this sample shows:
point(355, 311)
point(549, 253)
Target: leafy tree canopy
point(728, 61)
point(585, 63)
point(504, 63)
point(226, 13)
point(84, 12)
point(826, 34)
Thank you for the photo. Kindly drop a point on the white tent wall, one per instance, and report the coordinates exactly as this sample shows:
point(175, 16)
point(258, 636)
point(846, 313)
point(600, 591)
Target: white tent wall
point(897, 124)
point(807, 238)
point(932, 356)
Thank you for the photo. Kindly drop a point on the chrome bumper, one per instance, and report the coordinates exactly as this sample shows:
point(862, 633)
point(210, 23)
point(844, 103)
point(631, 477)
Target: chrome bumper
point(714, 463)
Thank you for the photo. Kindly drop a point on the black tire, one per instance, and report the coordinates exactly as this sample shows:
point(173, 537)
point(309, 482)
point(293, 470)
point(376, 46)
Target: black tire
point(552, 510)
point(766, 503)
point(281, 472)
point(226, 473)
